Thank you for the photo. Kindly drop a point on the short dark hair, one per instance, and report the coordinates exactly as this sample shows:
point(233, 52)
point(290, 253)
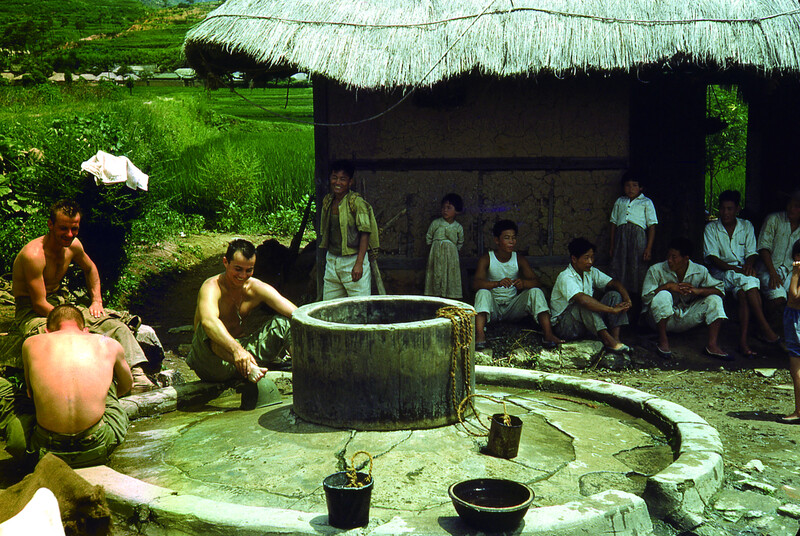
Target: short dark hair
point(632, 175)
point(63, 313)
point(343, 165)
point(730, 195)
point(455, 200)
point(504, 225)
point(796, 249)
point(245, 247)
point(682, 245)
point(69, 207)
point(579, 246)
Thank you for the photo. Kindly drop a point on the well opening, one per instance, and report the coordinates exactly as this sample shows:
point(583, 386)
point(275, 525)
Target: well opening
point(398, 310)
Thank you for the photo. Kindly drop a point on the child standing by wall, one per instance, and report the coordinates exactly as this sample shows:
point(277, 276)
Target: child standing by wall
point(633, 230)
point(445, 236)
point(791, 331)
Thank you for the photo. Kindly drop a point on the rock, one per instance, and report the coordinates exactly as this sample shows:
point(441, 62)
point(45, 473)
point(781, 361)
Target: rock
point(755, 485)
point(170, 377)
point(791, 510)
point(792, 493)
point(579, 354)
point(730, 508)
point(614, 361)
point(520, 356)
point(548, 360)
point(150, 344)
point(756, 465)
point(484, 357)
point(765, 372)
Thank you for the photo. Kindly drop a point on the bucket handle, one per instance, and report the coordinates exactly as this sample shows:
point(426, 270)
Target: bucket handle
point(352, 475)
point(463, 404)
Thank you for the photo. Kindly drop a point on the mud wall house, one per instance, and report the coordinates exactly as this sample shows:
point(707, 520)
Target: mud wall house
point(530, 110)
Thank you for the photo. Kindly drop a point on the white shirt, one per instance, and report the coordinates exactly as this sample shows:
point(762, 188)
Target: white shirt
point(777, 236)
point(660, 274)
point(733, 249)
point(569, 283)
point(639, 211)
point(498, 271)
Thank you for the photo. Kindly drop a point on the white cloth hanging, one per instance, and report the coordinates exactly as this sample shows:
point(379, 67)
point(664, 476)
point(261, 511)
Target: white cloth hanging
point(110, 169)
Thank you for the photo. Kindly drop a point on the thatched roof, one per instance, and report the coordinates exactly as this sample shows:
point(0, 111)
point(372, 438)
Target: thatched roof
point(390, 43)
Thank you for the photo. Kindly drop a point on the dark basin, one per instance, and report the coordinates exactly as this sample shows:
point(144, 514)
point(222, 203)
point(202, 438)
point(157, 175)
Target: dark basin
point(491, 504)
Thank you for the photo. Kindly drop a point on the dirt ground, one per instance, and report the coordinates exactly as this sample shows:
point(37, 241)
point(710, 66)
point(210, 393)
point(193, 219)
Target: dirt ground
point(741, 398)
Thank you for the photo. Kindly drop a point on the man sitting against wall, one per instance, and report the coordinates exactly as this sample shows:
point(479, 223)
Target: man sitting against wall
point(678, 295)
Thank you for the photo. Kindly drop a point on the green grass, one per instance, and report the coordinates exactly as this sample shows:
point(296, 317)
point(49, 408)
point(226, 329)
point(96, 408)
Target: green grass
point(94, 35)
point(214, 162)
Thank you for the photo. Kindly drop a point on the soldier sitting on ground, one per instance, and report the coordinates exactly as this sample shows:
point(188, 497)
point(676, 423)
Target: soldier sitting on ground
point(73, 378)
point(222, 346)
point(38, 272)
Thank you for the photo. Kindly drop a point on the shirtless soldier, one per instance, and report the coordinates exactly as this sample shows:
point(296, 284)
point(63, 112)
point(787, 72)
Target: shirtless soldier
point(70, 376)
point(221, 346)
point(38, 271)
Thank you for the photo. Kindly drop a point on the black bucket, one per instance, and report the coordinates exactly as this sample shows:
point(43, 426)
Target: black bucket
point(504, 438)
point(348, 507)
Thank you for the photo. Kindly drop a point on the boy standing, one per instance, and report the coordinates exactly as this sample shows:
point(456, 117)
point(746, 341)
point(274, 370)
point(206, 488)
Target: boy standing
point(729, 247)
point(507, 288)
point(791, 330)
point(574, 310)
point(633, 231)
point(347, 230)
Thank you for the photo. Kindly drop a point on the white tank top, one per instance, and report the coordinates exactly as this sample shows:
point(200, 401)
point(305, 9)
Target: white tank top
point(500, 270)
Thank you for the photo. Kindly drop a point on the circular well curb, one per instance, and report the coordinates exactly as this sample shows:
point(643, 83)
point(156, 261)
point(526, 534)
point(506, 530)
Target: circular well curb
point(678, 494)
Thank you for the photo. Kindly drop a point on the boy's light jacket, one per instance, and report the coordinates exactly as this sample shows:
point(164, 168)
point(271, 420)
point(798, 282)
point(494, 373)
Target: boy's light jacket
point(357, 218)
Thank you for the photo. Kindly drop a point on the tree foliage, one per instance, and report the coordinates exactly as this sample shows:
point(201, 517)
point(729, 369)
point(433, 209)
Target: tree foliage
point(726, 142)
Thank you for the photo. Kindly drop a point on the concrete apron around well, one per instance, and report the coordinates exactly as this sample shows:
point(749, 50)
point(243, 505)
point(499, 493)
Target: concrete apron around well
point(679, 492)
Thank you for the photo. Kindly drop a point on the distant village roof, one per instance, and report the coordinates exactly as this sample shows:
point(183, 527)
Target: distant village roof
point(186, 73)
point(391, 43)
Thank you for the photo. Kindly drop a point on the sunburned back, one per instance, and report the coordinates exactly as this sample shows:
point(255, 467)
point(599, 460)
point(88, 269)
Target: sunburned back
point(69, 375)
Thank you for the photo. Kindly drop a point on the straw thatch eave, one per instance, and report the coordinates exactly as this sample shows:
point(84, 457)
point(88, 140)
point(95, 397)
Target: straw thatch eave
point(397, 43)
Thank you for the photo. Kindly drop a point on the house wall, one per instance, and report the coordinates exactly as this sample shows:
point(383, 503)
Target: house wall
point(546, 153)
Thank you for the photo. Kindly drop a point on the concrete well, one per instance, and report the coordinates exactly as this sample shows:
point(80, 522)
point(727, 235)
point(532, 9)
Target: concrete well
point(379, 363)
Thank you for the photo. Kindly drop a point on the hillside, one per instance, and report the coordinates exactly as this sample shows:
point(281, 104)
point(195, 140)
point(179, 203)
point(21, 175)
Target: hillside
point(93, 35)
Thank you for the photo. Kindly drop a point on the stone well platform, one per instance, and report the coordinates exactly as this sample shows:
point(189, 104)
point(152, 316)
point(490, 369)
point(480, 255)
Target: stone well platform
point(597, 455)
